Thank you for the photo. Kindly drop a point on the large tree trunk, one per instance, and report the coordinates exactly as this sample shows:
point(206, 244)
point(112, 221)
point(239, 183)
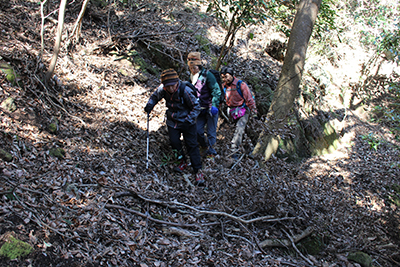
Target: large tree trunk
point(290, 77)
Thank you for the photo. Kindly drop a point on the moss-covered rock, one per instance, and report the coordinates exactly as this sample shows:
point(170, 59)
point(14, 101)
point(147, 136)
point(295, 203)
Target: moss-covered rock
point(57, 152)
point(53, 128)
point(311, 245)
point(4, 155)
point(14, 248)
point(9, 71)
point(362, 258)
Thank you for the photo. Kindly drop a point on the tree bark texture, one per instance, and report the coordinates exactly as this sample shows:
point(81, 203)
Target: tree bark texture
point(57, 44)
point(290, 78)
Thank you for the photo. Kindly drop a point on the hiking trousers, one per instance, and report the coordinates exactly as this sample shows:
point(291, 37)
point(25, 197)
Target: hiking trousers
point(210, 140)
point(240, 129)
point(190, 138)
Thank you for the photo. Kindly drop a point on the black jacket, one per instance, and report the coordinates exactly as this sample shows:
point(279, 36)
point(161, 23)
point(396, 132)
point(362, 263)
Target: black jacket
point(179, 111)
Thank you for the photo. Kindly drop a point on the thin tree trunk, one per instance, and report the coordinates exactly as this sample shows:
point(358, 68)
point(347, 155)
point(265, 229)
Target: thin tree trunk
point(42, 29)
point(78, 24)
point(290, 77)
point(57, 44)
point(230, 33)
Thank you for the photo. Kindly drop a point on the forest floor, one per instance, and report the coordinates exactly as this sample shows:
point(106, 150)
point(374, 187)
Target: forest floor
point(99, 204)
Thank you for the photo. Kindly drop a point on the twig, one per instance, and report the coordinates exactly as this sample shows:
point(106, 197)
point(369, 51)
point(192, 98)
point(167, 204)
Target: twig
point(284, 242)
point(111, 206)
point(44, 86)
point(147, 34)
point(236, 163)
point(297, 250)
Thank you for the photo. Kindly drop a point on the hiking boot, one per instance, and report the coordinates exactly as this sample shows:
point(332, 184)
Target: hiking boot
point(181, 167)
point(199, 179)
point(211, 156)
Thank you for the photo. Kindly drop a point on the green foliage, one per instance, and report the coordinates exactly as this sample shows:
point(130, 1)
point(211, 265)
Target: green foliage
point(380, 27)
point(15, 248)
point(172, 157)
point(238, 14)
point(373, 142)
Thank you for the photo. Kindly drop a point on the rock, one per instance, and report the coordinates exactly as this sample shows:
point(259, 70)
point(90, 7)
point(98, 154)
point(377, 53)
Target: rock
point(4, 155)
point(9, 104)
point(362, 258)
point(14, 248)
point(57, 152)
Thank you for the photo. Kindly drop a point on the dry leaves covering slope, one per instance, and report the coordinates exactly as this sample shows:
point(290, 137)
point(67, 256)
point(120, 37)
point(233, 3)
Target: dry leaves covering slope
point(100, 206)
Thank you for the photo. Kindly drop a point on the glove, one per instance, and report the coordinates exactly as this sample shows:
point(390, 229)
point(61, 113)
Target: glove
point(148, 109)
point(213, 111)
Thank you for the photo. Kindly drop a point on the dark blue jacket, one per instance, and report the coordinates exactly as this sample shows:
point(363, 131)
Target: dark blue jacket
point(179, 111)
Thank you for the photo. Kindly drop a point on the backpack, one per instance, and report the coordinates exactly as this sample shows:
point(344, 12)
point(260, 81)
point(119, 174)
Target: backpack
point(182, 89)
point(239, 90)
point(217, 76)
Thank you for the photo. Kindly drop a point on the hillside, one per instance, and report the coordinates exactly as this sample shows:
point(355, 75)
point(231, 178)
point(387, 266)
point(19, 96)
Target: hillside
point(96, 204)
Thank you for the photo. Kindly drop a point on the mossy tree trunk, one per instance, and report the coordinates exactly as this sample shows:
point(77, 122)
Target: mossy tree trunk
point(291, 74)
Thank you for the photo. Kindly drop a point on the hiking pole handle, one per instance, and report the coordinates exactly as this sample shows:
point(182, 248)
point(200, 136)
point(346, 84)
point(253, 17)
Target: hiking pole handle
point(148, 137)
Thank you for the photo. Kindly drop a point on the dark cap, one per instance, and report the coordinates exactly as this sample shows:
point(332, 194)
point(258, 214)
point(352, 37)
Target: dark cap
point(226, 70)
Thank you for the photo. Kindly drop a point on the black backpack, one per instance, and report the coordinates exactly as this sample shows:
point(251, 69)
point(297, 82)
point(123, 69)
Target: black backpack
point(182, 89)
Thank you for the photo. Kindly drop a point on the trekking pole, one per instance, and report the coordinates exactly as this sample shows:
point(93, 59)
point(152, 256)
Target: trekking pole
point(147, 159)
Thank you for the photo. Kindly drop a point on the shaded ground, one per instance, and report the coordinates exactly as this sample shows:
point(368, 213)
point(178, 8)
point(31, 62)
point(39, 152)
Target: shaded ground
point(99, 205)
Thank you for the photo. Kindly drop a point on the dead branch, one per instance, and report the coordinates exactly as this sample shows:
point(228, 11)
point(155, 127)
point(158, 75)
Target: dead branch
point(111, 206)
point(286, 242)
point(173, 204)
point(297, 250)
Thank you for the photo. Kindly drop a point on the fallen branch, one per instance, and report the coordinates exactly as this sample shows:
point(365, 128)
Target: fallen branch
point(173, 204)
point(296, 249)
point(110, 206)
point(286, 242)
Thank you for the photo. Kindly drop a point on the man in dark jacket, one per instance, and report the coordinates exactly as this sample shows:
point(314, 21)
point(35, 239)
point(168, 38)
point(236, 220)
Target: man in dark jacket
point(209, 97)
point(182, 111)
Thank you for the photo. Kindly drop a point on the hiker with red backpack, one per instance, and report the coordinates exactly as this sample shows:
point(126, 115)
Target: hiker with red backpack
point(182, 110)
point(241, 105)
point(209, 93)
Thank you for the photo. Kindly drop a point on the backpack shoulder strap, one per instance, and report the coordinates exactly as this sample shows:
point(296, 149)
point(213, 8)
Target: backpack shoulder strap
point(182, 89)
point(239, 90)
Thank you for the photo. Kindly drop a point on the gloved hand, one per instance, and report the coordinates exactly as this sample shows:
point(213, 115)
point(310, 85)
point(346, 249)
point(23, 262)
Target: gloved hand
point(213, 111)
point(148, 109)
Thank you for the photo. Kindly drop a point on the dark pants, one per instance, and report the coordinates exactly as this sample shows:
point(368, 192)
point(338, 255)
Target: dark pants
point(211, 121)
point(190, 138)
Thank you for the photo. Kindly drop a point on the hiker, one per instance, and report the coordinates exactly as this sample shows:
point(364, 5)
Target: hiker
point(209, 97)
point(240, 104)
point(182, 110)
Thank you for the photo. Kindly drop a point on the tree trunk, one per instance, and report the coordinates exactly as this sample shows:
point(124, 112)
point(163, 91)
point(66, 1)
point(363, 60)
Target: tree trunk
point(78, 24)
point(290, 77)
point(57, 45)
